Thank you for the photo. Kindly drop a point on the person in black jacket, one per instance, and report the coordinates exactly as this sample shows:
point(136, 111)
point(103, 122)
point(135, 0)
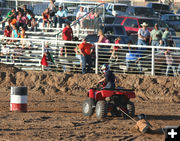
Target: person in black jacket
point(109, 77)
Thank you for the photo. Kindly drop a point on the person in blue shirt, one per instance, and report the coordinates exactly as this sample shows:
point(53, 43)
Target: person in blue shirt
point(133, 57)
point(60, 17)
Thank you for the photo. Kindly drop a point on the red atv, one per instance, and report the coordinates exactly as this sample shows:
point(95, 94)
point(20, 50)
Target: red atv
point(103, 101)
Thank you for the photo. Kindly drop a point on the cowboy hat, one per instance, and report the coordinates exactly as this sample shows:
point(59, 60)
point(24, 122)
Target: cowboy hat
point(144, 24)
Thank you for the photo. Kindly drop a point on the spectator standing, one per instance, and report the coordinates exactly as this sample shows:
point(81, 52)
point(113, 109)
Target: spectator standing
point(52, 8)
point(21, 21)
point(165, 36)
point(155, 36)
point(10, 15)
point(25, 11)
point(67, 34)
point(46, 17)
point(60, 17)
point(79, 16)
point(169, 62)
point(143, 34)
point(86, 50)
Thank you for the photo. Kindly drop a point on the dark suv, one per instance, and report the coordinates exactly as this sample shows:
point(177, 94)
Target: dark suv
point(160, 8)
point(111, 31)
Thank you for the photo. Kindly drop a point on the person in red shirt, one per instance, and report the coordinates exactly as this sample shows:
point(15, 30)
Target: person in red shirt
point(85, 51)
point(67, 33)
point(115, 49)
point(7, 32)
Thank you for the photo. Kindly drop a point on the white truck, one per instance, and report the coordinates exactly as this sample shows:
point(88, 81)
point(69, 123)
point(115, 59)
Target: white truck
point(116, 8)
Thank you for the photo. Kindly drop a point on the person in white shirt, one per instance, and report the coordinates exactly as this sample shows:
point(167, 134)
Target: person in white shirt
point(80, 15)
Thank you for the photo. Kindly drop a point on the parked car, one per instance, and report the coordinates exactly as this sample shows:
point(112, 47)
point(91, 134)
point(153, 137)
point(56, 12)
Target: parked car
point(116, 8)
point(160, 8)
point(140, 11)
point(113, 29)
point(173, 20)
point(178, 11)
point(133, 24)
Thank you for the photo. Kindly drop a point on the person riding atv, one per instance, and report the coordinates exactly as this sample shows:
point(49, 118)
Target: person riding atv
point(109, 78)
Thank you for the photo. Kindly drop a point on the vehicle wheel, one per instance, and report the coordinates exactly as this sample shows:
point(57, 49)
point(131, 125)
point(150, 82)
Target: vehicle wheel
point(88, 107)
point(101, 109)
point(131, 108)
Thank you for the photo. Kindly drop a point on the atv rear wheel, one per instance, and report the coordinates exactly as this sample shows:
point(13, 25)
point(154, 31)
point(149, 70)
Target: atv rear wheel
point(88, 107)
point(101, 109)
point(131, 108)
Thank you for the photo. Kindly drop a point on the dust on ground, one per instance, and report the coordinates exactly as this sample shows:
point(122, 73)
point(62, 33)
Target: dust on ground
point(55, 103)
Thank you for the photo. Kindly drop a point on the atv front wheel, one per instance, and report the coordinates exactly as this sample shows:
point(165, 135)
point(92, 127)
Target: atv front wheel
point(131, 108)
point(101, 109)
point(88, 107)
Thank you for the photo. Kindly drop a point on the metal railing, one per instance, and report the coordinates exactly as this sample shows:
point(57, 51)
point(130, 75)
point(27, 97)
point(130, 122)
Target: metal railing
point(122, 58)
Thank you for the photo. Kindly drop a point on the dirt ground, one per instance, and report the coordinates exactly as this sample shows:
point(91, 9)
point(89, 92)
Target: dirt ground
point(55, 107)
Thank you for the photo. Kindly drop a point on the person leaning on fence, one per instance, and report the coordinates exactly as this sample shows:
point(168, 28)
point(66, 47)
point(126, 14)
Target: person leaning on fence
point(155, 36)
point(115, 49)
point(79, 16)
point(102, 39)
point(85, 51)
point(169, 62)
point(165, 36)
point(133, 58)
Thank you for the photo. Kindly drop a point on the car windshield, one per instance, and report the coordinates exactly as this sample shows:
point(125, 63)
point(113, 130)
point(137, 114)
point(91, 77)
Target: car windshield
point(121, 8)
point(143, 11)
point(148, 21)
point(120, 30)
point(152, 22)
point(118, 20)
point(161, 7)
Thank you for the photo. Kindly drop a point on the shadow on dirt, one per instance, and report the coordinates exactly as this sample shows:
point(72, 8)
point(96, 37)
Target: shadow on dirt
point(163, 117)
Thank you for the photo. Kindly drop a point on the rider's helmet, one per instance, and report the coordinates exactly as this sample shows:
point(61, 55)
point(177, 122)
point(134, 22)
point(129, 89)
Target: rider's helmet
point(105, 68)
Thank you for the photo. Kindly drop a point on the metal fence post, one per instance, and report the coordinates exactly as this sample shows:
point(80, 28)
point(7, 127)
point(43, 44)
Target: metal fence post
point(43, 45)
point(96, 63)
point(56, 39)
point(152, 65)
